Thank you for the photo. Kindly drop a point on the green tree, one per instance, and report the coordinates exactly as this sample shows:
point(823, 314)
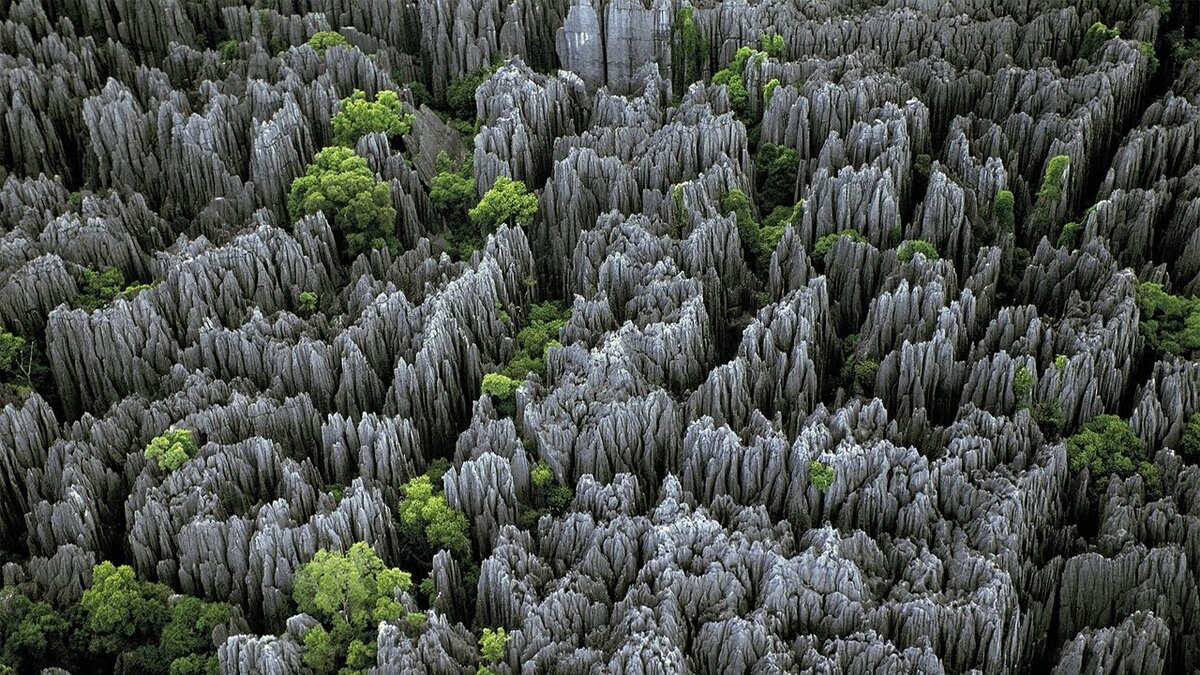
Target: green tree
point(308, 302)
point(326, 39)
point(1108, 446)
point(757, 244)
point(1069, 236)
point(1189, 444)
point(1022, 386)
point(1095, 38)
point(690, 52)
point(910, 248)
point(771, 45)
point(492, 644)
point(735, 86)
point(778, 166)
point(453, 188)
point(358, 117)
point(172, 449)
point(120, 612)
point(97, 289)
point(341, 185)
point(32, 634)
point(460, 94)
point(820, 475)
point(350, 593)
point(825, 242)
point(1003, 208)
point(507, 201)
point(769, 91)
point(547, 489)
point(427, 519)
point(1170, 323)
point(186, 640)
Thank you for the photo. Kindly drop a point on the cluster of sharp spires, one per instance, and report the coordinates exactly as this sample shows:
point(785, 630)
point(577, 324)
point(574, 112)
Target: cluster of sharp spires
point(691, 392)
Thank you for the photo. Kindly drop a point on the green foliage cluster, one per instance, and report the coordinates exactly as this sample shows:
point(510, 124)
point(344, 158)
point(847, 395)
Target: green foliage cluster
point(460, 94)
point(690, 49)
point(350, 593)
point(98, 288)
point(1183, 48)
point(758, 242)
point(910, 248)
point(507, 201)
point(1170, 323)
point(825, 242)
point(923, 164)
point(771, 44)
point(308, 302)
point(23, 369)
point(339, 184)
point(1022, 387)
point(1189, 443)
point(325, 39)
point(358, 117)
point(769, 91)
point(1069, 236)
point(452, 191)
point(1052, 180)
point(498, 385)
point(1003, 207)
point(1107, 446)
point(428, 523)
point(778, 166)
point(132, 620)
point(1095, 37)
point(170, 450)
point(820, 475)
point(731, 77)
point(33, 635)
point(1049, 417)
point(492, 644)
point(228, 50)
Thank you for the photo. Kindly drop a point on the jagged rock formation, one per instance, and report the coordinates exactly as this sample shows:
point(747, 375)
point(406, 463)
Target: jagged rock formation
point(829, 438)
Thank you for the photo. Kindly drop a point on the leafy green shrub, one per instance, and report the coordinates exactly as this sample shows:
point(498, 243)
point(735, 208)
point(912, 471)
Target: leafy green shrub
point(825, 242)
point(1052, 181)
point(547, 489)
point(910, 248)
point(757, 243)
point(228, 50)
point(121, 613)
point(771, 45)
point(492, 644)
point(778, 166)
point(1003, 208)
point(1095, 37)
point(326, 39)
point(507, 201)
point(690, 51)
point(308, 302)
point(339, 184)
point(350, 594)
point(1170, 323)
point(1022, 386)
point(731, 77)
point(97, 289)
point(1049, 417)
point(865, 372)
point(358, 117)
point(1107, 446)
point(1189, 444)
point(499, 386)
point(820, 475)
point(769, 91)
point(429, 522)
point(1069, 236)
point(170, 450)
point(33, 635)
point(460, 94)
point(923, 164)
point(186, 640)
point(453, 188)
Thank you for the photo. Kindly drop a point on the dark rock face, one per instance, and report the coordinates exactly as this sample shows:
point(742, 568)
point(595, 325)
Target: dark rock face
point(832, 436)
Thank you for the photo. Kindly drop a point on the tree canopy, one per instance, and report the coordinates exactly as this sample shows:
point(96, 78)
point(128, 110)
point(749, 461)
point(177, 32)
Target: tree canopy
point(507, 201)
point(358, 117)
point(429, 521)
point(170, 450)
point(341, 185)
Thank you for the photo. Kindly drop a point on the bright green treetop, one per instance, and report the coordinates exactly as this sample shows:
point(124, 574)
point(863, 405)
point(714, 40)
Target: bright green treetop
point(427, 516)
point(1170, 323)
point(507, 201)
point(492, 644)
point(820, 475)
point(1189, 445)
point(170, 450)
point(355, 587)
point(121, 612)
point(1108, 446)
point(32, 634)
point(359, 117)
point(326, 39)
point(910, 248)
point(340, 184)
point(825, 242)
